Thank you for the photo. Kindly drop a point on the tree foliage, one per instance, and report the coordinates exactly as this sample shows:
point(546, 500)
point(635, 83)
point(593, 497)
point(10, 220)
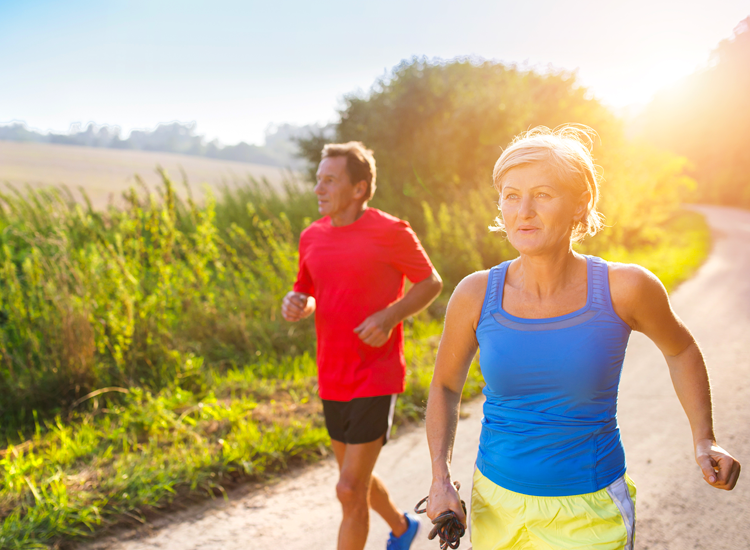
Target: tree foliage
point(438, 127)
point(707, 119)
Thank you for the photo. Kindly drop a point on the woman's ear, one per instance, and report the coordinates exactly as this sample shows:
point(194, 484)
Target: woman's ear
point(582, 206)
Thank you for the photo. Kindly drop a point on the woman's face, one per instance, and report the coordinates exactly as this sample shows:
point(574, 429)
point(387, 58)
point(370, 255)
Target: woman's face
point(538, 210)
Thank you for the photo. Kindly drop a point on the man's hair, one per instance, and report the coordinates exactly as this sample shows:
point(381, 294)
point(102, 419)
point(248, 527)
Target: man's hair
point(360, 164)
point(567, 151)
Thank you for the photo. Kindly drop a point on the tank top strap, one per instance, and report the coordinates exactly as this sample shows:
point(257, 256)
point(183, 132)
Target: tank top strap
point(493, 296)
point(599, 284)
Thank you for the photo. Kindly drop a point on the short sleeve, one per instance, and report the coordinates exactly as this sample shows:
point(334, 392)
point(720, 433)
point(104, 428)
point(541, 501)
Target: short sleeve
point(304, 282)
point(408, 255)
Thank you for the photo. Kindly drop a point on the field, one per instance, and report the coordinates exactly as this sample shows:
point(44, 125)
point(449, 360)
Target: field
point(106, 173)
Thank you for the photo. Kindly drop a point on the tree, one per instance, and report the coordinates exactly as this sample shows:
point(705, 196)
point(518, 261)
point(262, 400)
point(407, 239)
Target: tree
point(437, 127)
point(707, 119)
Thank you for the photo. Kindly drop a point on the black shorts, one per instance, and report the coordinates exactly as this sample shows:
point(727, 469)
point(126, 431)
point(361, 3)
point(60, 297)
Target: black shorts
point(360, 420)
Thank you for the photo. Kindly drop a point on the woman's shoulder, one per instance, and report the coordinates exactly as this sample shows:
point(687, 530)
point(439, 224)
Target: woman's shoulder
point(474, 283)
point(631, 277)
point(633, 287)
point(472, 288)
point(465, 305)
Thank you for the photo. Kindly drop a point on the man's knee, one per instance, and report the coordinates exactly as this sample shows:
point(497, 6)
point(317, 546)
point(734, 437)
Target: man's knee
point(352, 494)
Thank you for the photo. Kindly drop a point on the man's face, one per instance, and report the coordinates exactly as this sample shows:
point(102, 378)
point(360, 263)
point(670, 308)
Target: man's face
point(334, 189)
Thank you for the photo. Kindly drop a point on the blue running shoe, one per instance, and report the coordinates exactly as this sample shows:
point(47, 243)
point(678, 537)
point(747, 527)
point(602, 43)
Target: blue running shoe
point(404, 541)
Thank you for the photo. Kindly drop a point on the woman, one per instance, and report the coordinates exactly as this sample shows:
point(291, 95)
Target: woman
point(552, 327)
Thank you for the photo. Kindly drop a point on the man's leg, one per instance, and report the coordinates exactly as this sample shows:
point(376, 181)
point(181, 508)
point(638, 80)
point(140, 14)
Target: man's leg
point(380, 500)
point(352, 490)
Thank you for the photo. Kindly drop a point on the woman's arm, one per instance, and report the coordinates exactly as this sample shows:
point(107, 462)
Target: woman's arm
point(458, 346)
point(640, 300)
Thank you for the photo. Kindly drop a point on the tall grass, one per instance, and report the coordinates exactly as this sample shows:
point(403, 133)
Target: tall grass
point(123, 298)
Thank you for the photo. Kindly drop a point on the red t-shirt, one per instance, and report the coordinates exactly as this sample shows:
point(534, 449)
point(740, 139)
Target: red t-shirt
point(354, 271)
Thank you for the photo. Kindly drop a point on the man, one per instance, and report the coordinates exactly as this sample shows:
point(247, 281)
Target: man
point(352, 264)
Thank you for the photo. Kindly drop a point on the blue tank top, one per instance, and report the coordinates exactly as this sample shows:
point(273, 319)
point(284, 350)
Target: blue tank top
point(550, 426)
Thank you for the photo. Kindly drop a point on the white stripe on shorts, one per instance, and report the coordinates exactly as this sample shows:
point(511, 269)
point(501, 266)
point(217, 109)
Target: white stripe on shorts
point(620, 495)
point(391, 410)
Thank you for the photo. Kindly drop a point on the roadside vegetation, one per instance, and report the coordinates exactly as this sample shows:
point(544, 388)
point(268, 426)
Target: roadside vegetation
point(143, 358)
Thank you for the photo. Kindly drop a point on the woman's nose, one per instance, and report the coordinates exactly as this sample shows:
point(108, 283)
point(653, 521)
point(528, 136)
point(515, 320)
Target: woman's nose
point(526, 209)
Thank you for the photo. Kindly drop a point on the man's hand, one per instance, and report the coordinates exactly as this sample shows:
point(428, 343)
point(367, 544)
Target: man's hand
point(376, 329)
point(720, 469)
point(296, 306)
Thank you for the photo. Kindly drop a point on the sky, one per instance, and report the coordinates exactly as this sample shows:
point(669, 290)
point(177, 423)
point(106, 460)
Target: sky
point(235, 67)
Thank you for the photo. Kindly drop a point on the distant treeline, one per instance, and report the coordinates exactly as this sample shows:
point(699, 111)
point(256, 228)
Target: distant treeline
point(706, 118)
point(280, 148)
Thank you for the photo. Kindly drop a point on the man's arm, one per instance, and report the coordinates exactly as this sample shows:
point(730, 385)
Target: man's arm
point(377, 328)
point(297, 305)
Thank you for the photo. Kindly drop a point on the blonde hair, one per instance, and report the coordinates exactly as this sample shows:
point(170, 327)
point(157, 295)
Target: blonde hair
point(360, 163)
point(567, 150)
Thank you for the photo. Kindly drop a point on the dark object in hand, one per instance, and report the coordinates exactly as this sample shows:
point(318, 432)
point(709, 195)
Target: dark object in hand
point(446, 525)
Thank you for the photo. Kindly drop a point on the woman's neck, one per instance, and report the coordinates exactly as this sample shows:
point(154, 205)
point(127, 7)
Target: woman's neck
point(547, 274)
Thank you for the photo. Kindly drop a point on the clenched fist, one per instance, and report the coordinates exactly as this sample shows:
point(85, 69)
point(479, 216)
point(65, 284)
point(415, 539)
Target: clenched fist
point(296, 306)
point(376, 329)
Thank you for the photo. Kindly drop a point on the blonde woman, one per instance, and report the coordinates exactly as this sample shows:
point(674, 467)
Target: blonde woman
point(552, 327)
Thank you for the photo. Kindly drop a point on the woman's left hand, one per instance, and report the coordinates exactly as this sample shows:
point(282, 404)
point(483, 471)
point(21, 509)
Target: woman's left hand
point(720, 469)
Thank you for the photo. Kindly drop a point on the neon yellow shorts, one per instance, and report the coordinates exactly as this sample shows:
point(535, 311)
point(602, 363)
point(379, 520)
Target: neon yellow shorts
point(502, 519)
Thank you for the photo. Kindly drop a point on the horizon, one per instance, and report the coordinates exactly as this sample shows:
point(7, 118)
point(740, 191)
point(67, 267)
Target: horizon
point(237, 69)
point(79, 127)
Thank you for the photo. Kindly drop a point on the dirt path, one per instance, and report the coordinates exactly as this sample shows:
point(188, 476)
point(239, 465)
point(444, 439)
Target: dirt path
point(676, 509)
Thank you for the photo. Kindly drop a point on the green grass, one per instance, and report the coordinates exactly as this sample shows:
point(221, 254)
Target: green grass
point(125, 297)
point(685, 243)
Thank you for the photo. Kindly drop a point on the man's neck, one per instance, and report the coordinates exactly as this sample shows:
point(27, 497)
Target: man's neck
point(350, 215)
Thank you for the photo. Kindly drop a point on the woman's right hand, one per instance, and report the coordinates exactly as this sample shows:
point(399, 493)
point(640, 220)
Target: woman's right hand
point(442, 498)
